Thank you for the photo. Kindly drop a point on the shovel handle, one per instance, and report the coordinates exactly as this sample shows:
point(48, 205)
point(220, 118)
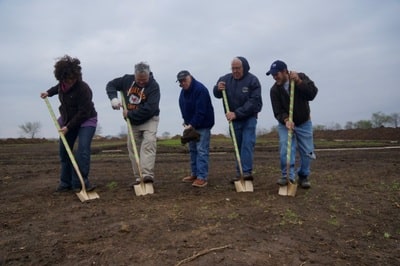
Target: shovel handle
point(64, 141)
point(290, 131)
point(132, 138)
point(225, 99)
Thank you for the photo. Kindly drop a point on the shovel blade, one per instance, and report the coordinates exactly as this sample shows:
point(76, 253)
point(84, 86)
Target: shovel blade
point(282, 191)
point(244, 186)
point(291, 189)
point(142, 189)
point(288, 190)
point(84, 195)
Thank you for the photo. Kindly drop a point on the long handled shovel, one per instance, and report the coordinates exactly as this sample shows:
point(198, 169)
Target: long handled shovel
point(240, 185)
point(291, 188)
point(83, 195)
point(141, 188)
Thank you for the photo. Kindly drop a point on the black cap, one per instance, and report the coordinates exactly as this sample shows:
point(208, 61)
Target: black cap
point(182, 74)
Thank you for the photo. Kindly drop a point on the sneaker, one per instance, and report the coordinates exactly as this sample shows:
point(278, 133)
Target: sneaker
point(189, 179)
point(134, 183)
point(148, 179)
point(305, 183)
point(199, 183)
point(63, 189)
point(282, 181)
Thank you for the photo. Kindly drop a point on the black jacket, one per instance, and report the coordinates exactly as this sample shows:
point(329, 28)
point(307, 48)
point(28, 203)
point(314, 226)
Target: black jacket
point(76, 104)
point(303, 93)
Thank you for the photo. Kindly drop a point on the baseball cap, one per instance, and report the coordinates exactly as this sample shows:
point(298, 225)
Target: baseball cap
point(276, 66)
point(182, 74)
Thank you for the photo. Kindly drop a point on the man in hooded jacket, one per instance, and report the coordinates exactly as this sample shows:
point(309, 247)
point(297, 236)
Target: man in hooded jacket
point(243, 91)
point(142, 96)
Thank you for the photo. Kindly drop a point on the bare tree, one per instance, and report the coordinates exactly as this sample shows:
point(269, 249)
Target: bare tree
point(124, 132)
point(349, 125)
point(379, 119)
point(363, 124)
point(166, 135)
point(30, 129)
point(395, 117)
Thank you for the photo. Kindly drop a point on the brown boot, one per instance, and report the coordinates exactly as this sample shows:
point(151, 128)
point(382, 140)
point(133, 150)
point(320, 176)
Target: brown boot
point(189, 179)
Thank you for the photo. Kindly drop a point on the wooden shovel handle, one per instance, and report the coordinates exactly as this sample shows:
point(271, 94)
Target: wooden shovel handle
point(225, 99)
point(132, 138)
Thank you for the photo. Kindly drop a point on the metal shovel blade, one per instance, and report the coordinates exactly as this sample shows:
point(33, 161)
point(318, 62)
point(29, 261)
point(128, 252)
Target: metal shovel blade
point(143, 189)
point(84, 195)
point(288, 190)
point(244, 186)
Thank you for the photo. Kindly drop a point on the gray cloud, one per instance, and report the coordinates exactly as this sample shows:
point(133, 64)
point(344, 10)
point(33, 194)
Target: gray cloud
point(349, 48)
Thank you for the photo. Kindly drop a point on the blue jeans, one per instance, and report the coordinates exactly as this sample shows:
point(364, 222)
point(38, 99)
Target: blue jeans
point(245, 131)
point(199, 153)
point(302, 140)
point(69, 178)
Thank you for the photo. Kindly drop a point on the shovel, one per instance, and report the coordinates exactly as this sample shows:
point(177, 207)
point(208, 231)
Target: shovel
point(83, 195)
point(141, 188)
point(291, 188)
point(240, 185)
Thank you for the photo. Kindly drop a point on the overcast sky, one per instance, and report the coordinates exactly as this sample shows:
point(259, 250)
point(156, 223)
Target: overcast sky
point(350, 49)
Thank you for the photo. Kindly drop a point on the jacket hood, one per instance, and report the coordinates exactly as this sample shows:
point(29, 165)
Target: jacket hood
point(245, 64)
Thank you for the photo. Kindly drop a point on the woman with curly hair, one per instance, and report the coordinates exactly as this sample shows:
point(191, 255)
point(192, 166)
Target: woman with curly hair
point(78, 120)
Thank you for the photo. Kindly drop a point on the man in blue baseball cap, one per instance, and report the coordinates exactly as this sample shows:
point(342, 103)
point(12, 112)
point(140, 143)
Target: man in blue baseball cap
point(305, 91)
point(276, 67)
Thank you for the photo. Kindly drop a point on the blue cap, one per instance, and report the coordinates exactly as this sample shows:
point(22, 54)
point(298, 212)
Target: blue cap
point(276, 67)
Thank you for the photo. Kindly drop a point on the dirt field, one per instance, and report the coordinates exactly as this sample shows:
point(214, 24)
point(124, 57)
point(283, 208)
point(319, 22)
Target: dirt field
point(350, 216)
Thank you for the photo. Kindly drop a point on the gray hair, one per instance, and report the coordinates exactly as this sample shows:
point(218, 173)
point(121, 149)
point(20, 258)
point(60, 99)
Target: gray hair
point(142, 67)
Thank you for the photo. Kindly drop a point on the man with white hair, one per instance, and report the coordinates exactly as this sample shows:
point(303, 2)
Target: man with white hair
point(142, 97)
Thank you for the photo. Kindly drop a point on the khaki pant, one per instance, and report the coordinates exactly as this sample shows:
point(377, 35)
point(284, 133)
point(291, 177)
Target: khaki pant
point(146, 143)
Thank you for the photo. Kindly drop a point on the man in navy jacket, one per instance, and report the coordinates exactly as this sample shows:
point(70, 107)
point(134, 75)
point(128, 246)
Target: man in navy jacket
point(198, 114)
point(243, 91)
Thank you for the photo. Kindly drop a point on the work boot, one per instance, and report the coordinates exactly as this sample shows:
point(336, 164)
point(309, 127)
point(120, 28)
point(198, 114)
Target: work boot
point(282, 181)
point(134, 183)
point(304, 182)
point(148, 179)
point(63, 189)
point(234, 179)
point(189, 179)
point(89, 187)
point(248, 177)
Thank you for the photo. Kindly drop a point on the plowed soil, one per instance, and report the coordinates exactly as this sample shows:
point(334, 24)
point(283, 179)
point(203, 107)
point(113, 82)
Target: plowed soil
point(350, 216)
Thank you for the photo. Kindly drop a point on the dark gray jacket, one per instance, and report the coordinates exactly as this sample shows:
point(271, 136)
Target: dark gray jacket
point(142, 103)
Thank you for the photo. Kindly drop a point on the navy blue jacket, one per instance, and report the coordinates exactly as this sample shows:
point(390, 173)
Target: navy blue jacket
point(196, 107)
point(244, 95)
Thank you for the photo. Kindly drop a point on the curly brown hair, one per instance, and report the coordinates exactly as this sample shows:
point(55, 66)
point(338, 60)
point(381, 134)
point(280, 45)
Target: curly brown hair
point(68, 68)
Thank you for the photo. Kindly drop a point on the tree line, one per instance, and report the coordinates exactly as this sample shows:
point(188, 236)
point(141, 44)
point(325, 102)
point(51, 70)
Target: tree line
point(378, 119)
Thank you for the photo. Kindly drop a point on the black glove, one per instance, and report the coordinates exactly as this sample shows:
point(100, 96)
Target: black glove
point(190, 134)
